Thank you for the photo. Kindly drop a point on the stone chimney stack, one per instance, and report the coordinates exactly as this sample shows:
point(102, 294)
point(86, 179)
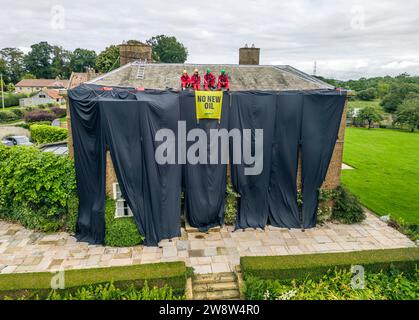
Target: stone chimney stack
point(134, 50)
point(248, 55)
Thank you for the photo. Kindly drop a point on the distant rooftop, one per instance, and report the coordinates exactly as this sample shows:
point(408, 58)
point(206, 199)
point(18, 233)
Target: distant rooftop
point(41, 83)
point(242, 77)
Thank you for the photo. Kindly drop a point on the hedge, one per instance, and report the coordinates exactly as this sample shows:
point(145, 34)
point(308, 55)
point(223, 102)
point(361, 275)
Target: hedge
point(35, 187)
point(46, 134)
point(316, 265)
point(172, 274)
point(8, 115)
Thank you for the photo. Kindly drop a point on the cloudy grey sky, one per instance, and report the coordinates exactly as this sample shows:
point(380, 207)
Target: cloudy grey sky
point(348, 39)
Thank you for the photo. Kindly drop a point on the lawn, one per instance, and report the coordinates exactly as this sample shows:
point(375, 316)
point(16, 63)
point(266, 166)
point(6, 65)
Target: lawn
point(386, 175)
point(362, 104)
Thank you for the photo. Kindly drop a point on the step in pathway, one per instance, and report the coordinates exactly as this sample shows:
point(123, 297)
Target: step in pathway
point(216, 286)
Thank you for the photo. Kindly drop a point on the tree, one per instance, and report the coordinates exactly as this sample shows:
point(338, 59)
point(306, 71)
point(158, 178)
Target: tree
point(60, 63)
point(38, 60)
point(108, 59)
point(28, 76)
point(82, 59)
point(167, 49)
point(398, 92)
point(367, 95)
point(370, 114)
point(408, 113)
point(14, 65)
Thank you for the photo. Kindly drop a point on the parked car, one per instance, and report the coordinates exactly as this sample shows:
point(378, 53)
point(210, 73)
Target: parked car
point(17, 141)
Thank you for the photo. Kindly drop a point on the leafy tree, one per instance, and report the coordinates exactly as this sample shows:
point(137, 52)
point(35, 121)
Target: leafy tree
point(408, 113)
point(370, 114)
point(167, 49)
point(367, 95)
point(28, 76)
point(14, 66)
point(60, 62)
point(398, 92)
point(82, 59)
point(38, 60)
point(108, 59)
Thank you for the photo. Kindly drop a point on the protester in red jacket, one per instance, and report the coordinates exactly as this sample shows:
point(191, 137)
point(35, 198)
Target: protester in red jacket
point(223, 81)
point(185, 79)
point(209, 80)
point(196, 80)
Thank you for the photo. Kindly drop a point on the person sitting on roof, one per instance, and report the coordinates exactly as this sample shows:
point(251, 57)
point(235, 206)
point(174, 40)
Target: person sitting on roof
point(223, 81)
point(185, 79)
point(209, 80)
point(196, 80)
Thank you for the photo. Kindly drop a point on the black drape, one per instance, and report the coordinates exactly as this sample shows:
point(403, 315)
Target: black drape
point(322, 113)
point(283, 209)
point(205, 184)
point(127, 121)
point(252, 110)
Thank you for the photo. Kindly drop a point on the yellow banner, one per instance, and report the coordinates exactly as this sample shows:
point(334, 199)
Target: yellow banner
point(208, 104)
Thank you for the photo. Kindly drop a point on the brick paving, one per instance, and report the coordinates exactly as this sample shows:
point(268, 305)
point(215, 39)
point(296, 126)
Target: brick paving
point(23, 250)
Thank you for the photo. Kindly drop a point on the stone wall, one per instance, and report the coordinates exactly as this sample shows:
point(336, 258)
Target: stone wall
point(132, 52)
point(249, 56)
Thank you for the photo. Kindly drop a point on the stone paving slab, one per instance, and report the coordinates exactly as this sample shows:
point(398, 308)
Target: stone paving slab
point(23, 250)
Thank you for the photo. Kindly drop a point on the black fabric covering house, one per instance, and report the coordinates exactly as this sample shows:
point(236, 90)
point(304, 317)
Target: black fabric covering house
point(283, 209)
point(252, 110)
point(127, 123)
point(322, 113)
point(205, 184)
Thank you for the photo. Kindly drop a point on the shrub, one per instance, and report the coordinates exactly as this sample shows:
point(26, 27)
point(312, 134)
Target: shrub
point(109, 292)
point(18, 112)
point(367, 95)
point(347, 208)
point(58, 112)
point(120, 232)
point(12, 99)
point(40, 181)
point(47, 134)
point(8, 115)
point(336, 285)
point(230, 210)
point(39, 115)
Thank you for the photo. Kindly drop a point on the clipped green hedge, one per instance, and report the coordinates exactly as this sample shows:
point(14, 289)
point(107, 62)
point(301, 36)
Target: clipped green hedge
point(316, 265)
point(171, 274)
point(46, 134)
point(35, 187)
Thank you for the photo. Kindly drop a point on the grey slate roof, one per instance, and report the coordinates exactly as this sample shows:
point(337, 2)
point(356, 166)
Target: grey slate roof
point(242, 77)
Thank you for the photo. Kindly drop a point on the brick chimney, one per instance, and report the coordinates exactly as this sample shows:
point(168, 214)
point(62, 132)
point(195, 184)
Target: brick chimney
point(248, 55)
point(134, 50)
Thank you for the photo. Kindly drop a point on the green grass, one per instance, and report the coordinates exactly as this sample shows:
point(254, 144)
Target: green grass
point(172, 274)
point(362, 104)
point(316, 265)
point(386, 175)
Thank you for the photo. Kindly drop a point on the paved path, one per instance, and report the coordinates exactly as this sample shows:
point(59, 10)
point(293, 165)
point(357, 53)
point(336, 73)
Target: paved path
point(22, 250)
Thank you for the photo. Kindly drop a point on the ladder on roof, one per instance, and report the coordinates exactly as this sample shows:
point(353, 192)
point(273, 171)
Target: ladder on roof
point(141, 69)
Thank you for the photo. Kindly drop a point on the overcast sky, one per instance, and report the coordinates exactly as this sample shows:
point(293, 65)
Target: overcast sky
point(348, 39)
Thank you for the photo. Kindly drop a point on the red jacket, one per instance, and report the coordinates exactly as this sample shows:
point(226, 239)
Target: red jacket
point(209, 78)
point(223, 79)
point(196, 79)
point(185, 78)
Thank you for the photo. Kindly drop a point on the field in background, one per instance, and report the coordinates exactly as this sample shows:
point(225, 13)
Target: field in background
point(386, 175)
